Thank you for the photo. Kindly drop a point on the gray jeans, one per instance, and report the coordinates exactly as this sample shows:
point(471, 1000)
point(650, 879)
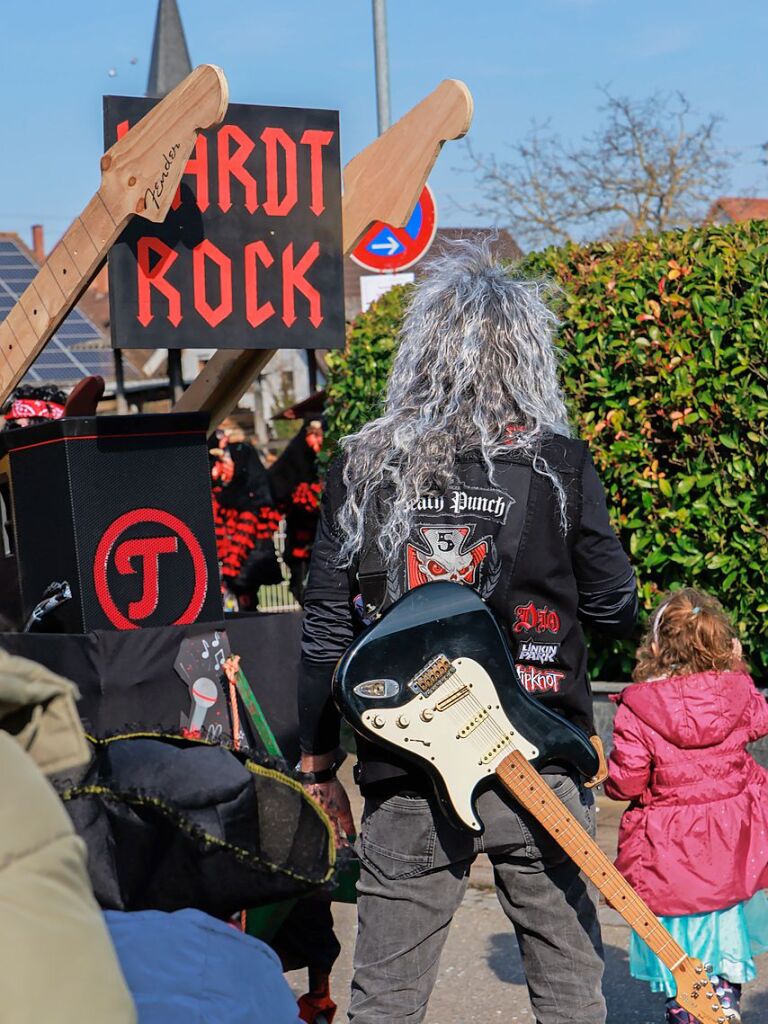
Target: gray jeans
point(414, 871)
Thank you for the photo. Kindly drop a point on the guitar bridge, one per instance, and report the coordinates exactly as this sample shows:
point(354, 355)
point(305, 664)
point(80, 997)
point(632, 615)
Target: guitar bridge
point(431, 676)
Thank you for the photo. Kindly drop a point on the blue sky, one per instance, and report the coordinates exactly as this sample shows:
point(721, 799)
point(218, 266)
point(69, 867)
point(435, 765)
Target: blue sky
point(522, 59)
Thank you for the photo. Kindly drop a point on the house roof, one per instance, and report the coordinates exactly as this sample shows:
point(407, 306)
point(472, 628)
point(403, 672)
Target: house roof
point(77, 349)
point(170, 56)
point(504, 247)
point(732, 209)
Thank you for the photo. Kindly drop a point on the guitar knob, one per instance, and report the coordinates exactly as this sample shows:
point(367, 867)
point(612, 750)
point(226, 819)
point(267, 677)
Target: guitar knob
point(403, 721)
point(427, 715)
point(378, 721)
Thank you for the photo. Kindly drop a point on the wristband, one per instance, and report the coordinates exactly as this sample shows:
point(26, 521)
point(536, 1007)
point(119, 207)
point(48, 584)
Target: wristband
point(323, 774)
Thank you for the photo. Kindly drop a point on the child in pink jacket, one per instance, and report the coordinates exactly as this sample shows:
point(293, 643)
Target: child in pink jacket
point(694, 840)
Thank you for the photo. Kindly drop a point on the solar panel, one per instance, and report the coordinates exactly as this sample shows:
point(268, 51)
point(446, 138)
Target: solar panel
point(60, 362)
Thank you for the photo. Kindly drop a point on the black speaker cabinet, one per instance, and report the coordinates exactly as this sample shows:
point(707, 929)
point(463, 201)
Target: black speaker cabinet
point(120, 507)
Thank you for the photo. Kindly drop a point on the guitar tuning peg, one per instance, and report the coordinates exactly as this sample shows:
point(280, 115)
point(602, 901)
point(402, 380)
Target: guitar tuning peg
point(708, 968)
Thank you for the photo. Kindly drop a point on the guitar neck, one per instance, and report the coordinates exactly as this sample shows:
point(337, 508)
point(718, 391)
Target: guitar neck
point(55, 289)
point(530, 790)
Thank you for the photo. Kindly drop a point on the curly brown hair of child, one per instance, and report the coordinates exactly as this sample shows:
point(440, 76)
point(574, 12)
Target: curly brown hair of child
point(688, 632)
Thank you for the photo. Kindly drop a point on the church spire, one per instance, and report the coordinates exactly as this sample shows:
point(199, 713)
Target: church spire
point(170, 56)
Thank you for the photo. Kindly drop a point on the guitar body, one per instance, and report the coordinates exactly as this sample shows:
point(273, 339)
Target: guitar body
point(460, 717)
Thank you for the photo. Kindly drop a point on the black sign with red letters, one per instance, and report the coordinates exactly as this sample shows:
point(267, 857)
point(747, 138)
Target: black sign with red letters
point(249, 255)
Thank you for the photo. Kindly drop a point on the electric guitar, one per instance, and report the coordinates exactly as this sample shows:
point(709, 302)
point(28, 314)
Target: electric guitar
point(434, 679)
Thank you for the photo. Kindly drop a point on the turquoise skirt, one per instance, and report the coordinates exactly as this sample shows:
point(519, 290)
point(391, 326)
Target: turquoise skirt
point(727, 939)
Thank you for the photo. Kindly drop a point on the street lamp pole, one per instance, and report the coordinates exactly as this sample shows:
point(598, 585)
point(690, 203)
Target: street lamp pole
point(382, 64)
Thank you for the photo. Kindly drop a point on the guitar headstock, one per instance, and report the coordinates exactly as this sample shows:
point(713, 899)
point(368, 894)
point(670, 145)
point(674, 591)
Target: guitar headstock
point(696, 993)
point(141, 172)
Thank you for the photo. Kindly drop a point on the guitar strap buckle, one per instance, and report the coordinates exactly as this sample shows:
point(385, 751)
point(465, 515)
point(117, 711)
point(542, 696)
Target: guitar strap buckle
point(602, 769)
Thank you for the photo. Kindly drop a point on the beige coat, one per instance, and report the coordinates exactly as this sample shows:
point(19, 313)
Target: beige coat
point(56, 959)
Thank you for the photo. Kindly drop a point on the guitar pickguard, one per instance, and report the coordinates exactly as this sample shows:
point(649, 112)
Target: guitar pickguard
point(460, 728)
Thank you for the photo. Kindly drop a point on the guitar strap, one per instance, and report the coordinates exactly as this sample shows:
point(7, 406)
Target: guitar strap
point(372, 580)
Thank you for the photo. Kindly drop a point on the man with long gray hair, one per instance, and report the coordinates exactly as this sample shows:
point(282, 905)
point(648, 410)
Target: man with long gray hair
point(469, 475)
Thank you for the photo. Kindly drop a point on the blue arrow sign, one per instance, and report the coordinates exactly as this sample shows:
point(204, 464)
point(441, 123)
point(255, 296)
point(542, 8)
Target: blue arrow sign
point(385, 243)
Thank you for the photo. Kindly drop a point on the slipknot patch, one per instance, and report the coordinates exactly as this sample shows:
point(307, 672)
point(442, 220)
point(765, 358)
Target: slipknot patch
point(529, 618)
point(540, 680)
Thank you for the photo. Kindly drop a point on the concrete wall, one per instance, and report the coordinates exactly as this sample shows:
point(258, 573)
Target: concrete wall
point(605, 709)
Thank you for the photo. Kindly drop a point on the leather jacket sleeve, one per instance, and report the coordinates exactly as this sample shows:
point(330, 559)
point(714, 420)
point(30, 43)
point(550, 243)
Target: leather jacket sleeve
point(328, 628)
point(606, 580)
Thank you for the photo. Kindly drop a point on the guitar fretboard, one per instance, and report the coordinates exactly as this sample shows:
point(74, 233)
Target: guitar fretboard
point(529, 789)
point(54, 290)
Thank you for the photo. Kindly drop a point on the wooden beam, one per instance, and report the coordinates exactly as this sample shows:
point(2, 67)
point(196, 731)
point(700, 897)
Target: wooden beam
point(383, 182)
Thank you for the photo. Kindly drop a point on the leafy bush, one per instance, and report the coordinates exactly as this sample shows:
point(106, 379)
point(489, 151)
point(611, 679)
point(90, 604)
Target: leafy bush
point(665, 346)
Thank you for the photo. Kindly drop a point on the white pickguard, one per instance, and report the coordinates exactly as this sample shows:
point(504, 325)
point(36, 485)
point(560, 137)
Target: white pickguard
point(460, 728)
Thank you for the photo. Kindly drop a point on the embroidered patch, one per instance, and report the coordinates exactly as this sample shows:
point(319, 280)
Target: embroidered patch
point(529, 618)
point(544, 654)
point(445, 553)
point(540, 680)
point(485, 503)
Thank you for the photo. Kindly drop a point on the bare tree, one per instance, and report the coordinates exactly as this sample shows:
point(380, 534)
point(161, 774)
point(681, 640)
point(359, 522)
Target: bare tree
point(647, 168)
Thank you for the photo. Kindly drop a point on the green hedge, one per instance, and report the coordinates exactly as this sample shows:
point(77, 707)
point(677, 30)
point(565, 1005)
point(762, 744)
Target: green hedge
point(665, 352)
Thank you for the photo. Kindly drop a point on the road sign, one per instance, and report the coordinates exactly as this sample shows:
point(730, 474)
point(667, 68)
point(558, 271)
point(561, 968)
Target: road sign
point(386, 248)
point(373, 286)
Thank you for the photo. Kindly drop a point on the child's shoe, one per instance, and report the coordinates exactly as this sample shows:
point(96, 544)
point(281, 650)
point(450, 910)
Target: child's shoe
point(729, 994)
point(677, 1015)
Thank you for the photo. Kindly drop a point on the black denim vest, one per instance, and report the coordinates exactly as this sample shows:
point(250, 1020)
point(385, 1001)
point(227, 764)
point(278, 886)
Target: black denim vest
point(507, 541)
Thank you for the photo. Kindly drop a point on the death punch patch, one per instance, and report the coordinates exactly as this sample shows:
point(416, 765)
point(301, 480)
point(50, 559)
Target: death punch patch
point(448, 553)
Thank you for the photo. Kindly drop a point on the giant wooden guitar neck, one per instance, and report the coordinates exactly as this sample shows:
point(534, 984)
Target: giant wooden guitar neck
point(140, 174)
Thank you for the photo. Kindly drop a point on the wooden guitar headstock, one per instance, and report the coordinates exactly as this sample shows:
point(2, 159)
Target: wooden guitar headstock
point(141, 171)
point(696, 993)
point(140, 175)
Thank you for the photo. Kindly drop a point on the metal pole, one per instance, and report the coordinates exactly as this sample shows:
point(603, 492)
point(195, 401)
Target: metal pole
point(175, 378)
point(312, 370)
point(120, 400)
point(382, 64)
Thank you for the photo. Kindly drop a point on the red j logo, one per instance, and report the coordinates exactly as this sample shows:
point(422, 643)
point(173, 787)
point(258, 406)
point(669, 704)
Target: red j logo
point(143, 555)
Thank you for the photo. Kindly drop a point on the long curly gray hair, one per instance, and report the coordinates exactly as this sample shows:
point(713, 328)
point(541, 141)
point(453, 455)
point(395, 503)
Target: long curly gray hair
point(476, 357)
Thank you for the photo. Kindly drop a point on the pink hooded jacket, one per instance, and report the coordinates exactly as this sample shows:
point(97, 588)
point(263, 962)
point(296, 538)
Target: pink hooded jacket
point(695, 837)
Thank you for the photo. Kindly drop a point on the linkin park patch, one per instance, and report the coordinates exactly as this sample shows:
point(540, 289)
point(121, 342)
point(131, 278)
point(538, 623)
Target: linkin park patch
point(544, 654)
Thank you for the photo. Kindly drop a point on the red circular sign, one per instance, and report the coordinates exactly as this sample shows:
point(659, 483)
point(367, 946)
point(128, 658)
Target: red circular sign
point(386, 248)
point(151, 546)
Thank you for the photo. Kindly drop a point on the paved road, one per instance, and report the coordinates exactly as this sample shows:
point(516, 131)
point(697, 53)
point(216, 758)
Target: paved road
point(481, 979)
